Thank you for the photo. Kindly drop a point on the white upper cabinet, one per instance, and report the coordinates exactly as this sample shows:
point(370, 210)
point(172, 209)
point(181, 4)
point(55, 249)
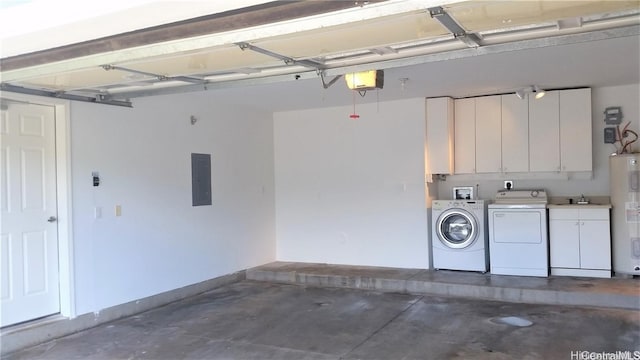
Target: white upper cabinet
point(544, 132)
point(515, 134)
point(505, 134)
point(575, 130)
point(439, 137)
point(465, 136)
point(488, 134)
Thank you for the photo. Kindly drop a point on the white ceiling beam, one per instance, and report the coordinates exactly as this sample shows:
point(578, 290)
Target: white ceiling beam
point(43, 24)
point(366, 12)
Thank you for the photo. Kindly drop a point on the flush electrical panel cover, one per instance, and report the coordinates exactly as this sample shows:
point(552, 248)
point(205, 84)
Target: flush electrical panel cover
point(201, 179)
point(609, 135)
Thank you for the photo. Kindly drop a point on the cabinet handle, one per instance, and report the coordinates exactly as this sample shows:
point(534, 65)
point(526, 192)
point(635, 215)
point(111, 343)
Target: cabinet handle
point(577, 223)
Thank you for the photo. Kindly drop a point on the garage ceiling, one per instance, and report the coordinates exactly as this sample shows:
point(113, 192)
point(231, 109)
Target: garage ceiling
point(288, 40)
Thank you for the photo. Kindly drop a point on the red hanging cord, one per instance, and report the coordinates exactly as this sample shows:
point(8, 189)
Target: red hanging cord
point(354, 115)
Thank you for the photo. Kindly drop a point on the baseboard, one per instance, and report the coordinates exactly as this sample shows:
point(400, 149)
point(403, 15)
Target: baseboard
point(14, 338)
point(581, 272)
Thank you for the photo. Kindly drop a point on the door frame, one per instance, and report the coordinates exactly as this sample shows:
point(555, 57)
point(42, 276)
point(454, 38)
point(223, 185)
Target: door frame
point(62, 109)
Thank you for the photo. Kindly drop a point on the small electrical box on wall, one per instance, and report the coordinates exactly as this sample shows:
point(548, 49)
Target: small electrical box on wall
point(613, 115)
point(609, 135)
point(96, 178)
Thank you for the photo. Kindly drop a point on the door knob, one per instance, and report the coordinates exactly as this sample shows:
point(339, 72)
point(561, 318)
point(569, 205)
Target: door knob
point(52, 219)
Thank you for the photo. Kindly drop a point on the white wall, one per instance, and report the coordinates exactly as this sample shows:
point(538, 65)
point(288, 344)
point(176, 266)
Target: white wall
point(161, 242)
point(346, 191)
point(352, 191)
point(625, 96)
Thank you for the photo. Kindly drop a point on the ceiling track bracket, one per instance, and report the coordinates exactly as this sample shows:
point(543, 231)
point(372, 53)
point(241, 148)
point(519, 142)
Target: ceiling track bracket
point(189, 79)
point(287, 60)
point(326, 84)
point(438, 13)
point(98, 99)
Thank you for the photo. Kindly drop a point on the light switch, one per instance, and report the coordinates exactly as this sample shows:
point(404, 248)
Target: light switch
point(97, 212)
point(118, 210)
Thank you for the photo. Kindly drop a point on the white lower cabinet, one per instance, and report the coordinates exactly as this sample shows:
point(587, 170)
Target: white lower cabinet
point(580, 241)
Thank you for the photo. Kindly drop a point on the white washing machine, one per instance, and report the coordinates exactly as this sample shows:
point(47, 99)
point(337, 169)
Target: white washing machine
point(459, 238)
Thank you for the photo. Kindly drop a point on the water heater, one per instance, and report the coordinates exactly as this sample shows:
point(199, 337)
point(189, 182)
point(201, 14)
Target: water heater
point(624, 181)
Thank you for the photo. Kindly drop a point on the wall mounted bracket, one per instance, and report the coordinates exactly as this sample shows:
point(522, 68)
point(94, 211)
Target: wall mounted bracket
point(325, 84)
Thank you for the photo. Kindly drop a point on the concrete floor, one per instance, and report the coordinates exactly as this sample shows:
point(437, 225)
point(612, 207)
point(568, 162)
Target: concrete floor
point(261, 320)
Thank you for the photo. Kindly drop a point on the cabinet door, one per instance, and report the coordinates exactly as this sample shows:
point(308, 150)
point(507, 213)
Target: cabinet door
point(595, 244)
point(575, 130)
point(488, 134)
point(439, 138)
point(465, 136)
point(515, 134)
point(544, 132)
point(564, 243)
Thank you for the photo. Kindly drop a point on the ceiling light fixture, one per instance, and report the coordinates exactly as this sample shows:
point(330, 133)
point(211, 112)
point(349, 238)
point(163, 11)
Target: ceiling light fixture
point(539, 92)
point(534, 89)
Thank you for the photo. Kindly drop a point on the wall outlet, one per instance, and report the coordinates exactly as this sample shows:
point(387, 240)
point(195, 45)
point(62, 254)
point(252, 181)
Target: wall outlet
point(508, 184)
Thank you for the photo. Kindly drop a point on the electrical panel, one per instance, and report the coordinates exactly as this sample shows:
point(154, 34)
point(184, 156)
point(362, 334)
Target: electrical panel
point(201, 179)
point(609, 135)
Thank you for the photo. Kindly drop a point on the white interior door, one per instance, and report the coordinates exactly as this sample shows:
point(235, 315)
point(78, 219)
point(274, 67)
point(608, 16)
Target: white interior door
point(29, 252)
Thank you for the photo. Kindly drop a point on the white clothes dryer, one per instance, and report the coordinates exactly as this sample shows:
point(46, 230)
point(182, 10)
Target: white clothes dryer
point(518, 241)
point(459, 237)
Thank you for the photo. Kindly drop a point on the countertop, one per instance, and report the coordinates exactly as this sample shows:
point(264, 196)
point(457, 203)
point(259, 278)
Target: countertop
point(595, 202)
point(574, 206)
